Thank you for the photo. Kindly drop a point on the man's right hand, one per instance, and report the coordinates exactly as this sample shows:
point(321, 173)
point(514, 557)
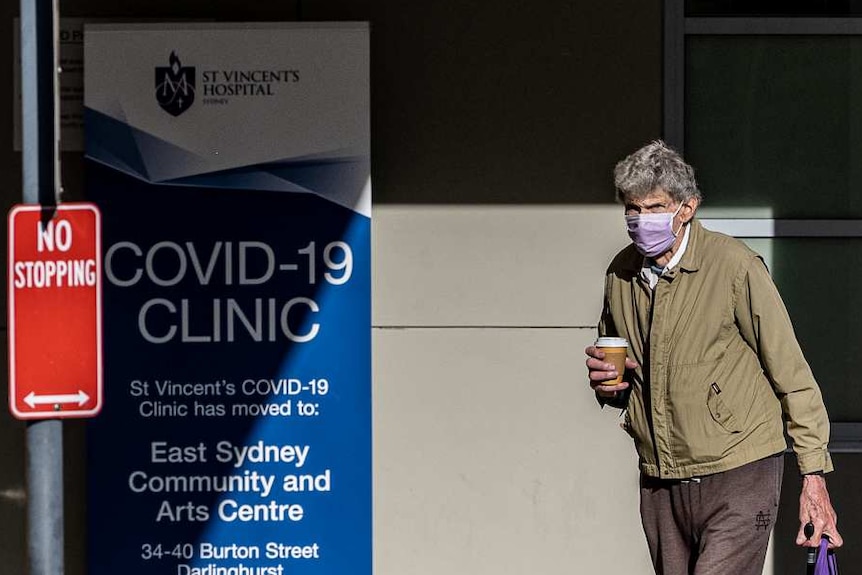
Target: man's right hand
point(600, 372)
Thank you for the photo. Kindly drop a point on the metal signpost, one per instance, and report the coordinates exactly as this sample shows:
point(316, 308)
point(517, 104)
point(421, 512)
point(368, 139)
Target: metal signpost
point(39, 86)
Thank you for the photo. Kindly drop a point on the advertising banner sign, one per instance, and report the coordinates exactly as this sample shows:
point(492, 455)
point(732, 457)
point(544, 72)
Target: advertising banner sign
point(231, 166)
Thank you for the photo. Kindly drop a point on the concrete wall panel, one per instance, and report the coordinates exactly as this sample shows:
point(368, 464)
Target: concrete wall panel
point(519, 266)
point(491, 456)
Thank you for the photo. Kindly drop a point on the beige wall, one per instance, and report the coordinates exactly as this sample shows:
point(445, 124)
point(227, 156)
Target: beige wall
point(490, 453)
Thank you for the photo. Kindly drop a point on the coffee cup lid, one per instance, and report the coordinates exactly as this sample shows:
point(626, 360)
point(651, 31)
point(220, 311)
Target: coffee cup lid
point(611, 342)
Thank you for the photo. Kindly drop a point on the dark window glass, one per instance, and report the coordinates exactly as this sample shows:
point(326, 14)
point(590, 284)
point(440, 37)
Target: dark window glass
point(773, 7)
point(818, 279)
point(775, 122)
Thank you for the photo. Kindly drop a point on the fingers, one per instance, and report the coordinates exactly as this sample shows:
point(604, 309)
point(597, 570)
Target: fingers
point(815, 507)
point(802, 540)
point(600, 370)
point(821, 529)
point(595, 352)
point(827, 527)
point(814, 540)
point(835, 539)
point(609, 390)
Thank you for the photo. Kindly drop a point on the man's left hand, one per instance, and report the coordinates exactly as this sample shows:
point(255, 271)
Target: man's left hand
point(815, 507)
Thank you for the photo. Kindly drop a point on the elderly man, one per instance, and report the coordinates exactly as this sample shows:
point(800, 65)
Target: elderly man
point(713, 370)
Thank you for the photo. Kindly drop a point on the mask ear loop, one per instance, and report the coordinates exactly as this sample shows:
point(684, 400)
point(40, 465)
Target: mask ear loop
point(681, 225)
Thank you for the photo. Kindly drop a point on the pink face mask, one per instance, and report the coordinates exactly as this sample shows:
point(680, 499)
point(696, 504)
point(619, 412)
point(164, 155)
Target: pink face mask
point(652, 234)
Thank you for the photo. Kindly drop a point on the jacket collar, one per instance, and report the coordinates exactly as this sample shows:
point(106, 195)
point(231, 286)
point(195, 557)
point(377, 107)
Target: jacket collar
point(692, 258)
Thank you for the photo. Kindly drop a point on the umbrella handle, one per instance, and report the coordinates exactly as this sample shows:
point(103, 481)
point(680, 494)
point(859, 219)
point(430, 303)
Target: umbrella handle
point(811, 552)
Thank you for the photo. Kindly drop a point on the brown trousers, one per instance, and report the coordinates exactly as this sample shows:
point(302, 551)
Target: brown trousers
point(713, 525)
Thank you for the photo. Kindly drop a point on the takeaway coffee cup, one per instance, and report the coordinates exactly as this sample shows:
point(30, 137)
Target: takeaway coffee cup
point(615, 349)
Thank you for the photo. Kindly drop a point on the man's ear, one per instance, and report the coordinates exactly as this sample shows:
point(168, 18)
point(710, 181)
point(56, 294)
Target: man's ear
point(689, 207)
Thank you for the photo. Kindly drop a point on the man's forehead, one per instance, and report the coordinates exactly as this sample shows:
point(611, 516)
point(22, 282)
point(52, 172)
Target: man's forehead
point(657, 196)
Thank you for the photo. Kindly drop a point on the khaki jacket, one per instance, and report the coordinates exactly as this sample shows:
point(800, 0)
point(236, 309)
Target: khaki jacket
point(720, 367)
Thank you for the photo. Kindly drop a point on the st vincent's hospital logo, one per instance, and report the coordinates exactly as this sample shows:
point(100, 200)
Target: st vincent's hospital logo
point(175, 86)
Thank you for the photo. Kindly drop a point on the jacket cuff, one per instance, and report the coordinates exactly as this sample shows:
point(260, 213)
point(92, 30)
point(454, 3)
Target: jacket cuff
point(814, 461)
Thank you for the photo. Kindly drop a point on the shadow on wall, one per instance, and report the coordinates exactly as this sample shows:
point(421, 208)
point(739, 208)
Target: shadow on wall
point(473, 103)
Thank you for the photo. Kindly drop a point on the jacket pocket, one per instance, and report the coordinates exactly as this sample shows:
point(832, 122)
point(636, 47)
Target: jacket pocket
point(720, 412)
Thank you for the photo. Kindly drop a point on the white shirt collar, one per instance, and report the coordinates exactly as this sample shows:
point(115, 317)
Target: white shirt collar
point(650, 276)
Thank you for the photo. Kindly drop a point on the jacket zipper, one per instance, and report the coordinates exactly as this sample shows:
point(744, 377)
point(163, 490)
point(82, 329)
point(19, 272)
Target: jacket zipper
point(648, 374)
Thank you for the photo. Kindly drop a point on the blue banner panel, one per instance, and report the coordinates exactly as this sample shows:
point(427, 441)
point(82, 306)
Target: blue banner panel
point(235, 437)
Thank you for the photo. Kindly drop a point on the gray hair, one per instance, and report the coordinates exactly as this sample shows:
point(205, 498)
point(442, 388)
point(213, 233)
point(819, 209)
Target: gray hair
point(656, 165)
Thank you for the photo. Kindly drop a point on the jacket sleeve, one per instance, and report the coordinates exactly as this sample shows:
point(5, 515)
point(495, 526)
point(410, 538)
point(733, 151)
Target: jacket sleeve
point(607, 327)
point(765, 325)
